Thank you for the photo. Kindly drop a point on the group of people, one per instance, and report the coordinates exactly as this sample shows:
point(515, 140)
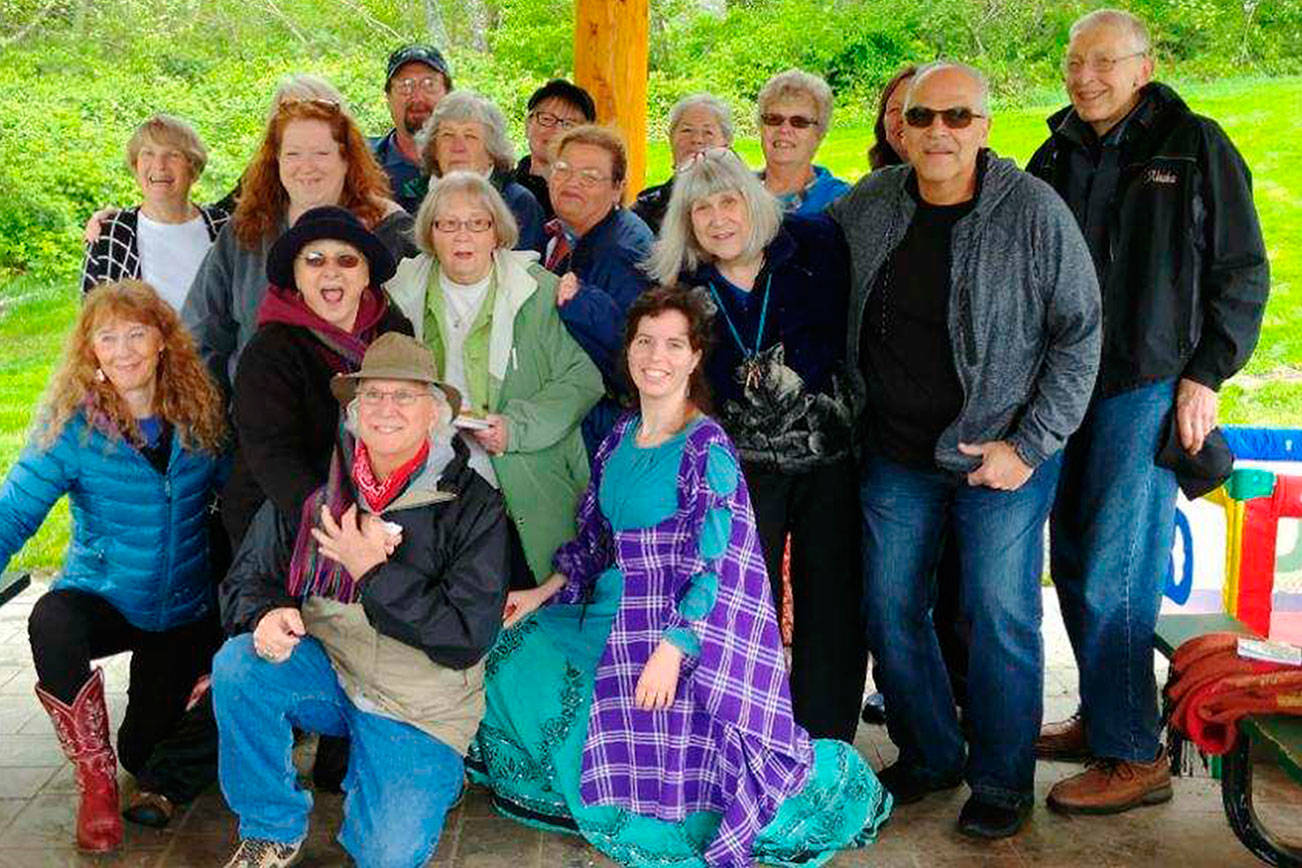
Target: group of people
point(508, 472)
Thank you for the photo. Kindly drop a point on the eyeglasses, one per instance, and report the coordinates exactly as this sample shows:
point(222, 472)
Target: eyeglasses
point(562, 170)
point(798, 122)
point(474, 224)
point(328, 105)
point(400, 397)
point(408, 86)
point(317, 259)
point(1102, 65)
point(958, 118)
point(549, 120)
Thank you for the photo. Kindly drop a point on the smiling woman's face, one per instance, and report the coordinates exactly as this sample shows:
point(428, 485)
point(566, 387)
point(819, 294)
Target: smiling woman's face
point(721, 224)
point(312, 166)
point(331, 276)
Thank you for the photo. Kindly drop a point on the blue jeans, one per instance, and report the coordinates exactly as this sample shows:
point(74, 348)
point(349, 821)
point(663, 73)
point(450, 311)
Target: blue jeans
point(1111, 533)
point(998, 539)
point(400, 780)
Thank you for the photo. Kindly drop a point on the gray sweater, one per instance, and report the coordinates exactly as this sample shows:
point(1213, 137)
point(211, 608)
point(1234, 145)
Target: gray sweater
point(1024, 315)
point(221, 308)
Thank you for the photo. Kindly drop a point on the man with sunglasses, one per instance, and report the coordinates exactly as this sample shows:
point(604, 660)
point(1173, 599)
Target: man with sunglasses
point(973, 345)
point(1165, 203)
point(554, 109)
point(417, 78)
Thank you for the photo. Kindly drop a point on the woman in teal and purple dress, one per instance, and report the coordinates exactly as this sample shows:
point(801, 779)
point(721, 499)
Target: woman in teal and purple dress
point(639, 696)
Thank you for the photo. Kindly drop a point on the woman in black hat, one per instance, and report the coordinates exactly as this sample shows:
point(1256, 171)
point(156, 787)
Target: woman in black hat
point(322, 309)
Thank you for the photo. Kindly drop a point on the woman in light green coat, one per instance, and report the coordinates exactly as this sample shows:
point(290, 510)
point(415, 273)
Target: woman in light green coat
point(489, 315)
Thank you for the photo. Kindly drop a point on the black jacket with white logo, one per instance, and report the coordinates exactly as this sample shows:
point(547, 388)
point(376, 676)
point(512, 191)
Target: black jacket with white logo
point(1184, 277)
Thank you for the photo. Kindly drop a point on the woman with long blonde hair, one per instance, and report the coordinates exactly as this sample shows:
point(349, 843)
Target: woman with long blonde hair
point(312, 154)
point(132, 430)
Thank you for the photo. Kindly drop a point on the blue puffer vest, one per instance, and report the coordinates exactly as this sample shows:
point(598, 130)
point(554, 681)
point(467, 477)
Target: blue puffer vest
point(139, 537)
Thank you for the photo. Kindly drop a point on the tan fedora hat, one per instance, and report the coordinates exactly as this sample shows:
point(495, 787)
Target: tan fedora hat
point(394, 356)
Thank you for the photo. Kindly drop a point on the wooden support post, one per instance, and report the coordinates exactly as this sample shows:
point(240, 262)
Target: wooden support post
point(610, 60)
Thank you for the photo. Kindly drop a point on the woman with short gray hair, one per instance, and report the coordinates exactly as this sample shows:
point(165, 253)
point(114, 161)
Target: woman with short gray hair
point(780, 285)
point(468, 133)
point(489, 315)
point(794, 113)
point(696, 122)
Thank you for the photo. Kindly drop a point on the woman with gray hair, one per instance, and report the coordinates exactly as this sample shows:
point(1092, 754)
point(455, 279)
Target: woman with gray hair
point(794, 111)
point(489, 315)
point(468, 133)
point(780, 285)
point(696, 122)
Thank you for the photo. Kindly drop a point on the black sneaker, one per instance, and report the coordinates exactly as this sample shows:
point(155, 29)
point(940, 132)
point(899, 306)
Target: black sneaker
point(874, 709)
point(906, 786)
point(982, 819)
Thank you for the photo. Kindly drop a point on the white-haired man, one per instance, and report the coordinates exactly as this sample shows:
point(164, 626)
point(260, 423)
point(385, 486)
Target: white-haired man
point(1165, 203)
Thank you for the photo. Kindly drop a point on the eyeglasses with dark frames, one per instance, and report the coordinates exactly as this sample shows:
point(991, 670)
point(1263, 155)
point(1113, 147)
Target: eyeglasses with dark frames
point(799, 122)
point(957, 118)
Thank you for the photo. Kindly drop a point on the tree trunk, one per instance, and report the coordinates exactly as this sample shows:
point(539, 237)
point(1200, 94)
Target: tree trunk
point(435, 31)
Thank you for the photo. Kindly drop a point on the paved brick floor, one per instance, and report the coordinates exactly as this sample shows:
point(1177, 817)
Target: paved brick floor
point(37, 803)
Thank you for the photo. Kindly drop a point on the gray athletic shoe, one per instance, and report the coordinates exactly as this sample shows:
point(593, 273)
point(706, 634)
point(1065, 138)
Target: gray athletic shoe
point(260, 853)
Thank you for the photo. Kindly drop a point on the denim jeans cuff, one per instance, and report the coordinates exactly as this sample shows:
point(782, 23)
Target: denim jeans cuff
point(1002, 796)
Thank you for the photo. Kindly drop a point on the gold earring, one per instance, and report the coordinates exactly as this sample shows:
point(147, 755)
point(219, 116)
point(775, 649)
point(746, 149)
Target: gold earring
point(99, 375)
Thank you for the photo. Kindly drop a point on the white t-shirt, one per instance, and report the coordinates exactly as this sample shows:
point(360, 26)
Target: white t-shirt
point(170, 254)
point(461, 304)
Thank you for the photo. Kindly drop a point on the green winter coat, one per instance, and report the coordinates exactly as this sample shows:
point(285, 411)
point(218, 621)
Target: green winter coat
point(537, 377)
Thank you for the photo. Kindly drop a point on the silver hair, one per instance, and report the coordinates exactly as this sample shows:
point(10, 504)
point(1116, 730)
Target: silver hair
point(720, 109)
point(440, 433)
point(717, 170)
point(463, 106)
point(796, 83)
point(1120, 19)
point(978, 77)
point(303, 86)
point(470, 184)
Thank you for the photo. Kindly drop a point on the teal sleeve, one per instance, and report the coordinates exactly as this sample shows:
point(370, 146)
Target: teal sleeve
point(722, 475)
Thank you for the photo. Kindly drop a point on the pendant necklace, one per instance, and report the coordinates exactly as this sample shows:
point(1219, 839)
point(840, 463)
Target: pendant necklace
point(750, 356)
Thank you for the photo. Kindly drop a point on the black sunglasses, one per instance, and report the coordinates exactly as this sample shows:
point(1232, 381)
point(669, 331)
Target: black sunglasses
point(953, 118)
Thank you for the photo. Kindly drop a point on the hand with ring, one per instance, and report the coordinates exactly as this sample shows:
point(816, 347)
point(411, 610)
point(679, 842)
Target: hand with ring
point(277, 633)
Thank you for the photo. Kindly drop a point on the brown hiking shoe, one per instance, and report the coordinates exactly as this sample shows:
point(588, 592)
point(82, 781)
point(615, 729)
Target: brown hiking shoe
point(1110, 786)
point(1063, 740)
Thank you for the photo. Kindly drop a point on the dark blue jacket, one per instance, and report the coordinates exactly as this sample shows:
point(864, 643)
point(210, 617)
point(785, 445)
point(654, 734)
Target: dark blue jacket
point(394, 162)
point(139, 537)
point(795, 413)
point(608, 262)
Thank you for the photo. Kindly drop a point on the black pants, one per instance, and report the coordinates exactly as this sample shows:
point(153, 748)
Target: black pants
point(169, 750)
point(820, 509)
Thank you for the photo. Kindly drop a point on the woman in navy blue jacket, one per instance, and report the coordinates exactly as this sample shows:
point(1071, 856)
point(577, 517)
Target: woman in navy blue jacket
point(780, 286)
point(131, 430)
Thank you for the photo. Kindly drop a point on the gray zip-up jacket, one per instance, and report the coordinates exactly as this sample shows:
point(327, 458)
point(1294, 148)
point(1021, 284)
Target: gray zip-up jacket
point(1024, 314)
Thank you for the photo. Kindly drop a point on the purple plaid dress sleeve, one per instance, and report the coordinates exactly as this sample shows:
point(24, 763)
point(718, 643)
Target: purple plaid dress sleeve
point(732, 699)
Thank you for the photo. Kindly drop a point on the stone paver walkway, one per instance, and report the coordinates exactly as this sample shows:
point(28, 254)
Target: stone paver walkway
point(37, 803)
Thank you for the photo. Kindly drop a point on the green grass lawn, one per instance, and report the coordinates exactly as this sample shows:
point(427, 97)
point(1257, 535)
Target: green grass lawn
point(1258, 114)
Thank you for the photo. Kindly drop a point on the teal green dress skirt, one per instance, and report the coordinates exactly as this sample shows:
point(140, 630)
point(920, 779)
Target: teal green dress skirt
point(539, 682)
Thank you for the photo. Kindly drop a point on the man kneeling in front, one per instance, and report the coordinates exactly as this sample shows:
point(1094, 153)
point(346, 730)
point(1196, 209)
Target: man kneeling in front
point(366, 616)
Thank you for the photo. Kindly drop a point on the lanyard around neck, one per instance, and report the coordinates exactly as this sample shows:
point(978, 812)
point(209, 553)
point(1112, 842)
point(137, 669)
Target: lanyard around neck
point(732, 327)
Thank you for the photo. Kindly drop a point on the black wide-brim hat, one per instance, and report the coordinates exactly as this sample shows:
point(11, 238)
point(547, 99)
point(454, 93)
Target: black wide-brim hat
point(333, 223)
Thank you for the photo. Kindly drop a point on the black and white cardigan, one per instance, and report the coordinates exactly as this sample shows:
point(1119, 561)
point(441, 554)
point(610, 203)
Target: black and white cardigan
point(115, 255)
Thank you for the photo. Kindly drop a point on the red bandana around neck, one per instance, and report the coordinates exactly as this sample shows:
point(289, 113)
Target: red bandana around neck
point(380, 493)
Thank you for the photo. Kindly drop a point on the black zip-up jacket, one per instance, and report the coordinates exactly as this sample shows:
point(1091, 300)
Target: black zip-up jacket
point(442, 590)
point(1185, 277)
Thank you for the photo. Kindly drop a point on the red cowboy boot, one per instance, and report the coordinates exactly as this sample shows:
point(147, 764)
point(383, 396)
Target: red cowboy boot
point(83, 730)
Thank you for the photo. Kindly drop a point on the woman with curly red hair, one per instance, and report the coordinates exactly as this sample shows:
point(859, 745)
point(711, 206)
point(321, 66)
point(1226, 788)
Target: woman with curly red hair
point(131, 429)
point(312, 154)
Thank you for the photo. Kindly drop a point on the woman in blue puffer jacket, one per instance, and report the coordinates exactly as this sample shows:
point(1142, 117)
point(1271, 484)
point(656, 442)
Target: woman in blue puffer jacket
point(131, 430)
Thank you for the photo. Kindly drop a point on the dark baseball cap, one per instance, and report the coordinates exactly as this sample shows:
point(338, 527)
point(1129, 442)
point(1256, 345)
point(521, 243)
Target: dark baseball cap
point(426, 54)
